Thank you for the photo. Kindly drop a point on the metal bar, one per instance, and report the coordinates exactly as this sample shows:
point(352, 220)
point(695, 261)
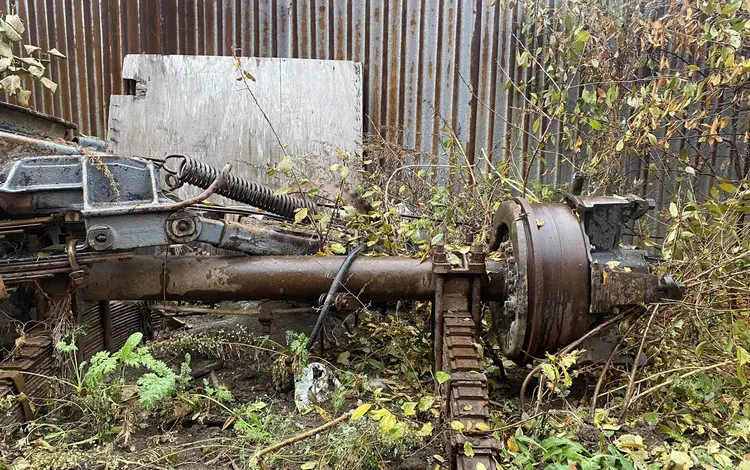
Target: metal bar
point(268, 277)
point(220, 311)
point(106, 314)
point(437, 324)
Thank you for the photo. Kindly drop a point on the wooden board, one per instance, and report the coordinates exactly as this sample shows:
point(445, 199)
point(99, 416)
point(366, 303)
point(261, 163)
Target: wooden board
point(193, 105)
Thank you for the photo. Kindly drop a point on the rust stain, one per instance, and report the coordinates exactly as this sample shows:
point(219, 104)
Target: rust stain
point(450, 25)
point(376, 94)
point(322, 20)
point(340, 37)
point(430, 70)
point(393, 81)
point(266, 32)
point(357, 39)
point(304, 39)
point(413, 22)
point(377, 14)
point(485, 57)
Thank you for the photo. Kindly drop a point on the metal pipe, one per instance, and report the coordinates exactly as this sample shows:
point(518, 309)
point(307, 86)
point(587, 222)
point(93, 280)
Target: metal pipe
point(268, 277)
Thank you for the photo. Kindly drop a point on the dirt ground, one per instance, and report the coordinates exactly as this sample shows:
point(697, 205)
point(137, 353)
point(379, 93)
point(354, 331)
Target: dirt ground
point(249, 377)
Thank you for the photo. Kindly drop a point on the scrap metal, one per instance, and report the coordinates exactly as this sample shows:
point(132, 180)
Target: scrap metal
point(72, 225)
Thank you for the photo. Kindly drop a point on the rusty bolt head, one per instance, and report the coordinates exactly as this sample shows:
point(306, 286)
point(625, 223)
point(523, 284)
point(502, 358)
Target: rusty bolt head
point(100, 237)
point(438, 255)
point(183, 227)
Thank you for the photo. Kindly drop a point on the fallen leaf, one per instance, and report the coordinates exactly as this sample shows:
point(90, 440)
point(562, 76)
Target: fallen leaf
point(512, 446)
point(360, 411)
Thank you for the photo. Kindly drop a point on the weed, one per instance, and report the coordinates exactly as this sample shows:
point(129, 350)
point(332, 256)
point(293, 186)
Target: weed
point(98, 388)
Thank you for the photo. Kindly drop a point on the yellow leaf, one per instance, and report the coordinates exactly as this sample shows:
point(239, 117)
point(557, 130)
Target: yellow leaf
point(457, 426)
point(377, 415)
point(360, 411)
point(512, 446)
point(483, 427)
point(468, 449)
point(409, 408)
point(300, 215)
point(323, 414)
point(52, 86)
point(426, 429)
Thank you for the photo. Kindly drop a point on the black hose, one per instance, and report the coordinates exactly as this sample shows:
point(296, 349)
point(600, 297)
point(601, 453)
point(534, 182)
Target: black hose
point(338, 280)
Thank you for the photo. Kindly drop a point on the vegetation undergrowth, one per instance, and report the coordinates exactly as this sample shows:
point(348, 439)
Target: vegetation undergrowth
point(644, 97)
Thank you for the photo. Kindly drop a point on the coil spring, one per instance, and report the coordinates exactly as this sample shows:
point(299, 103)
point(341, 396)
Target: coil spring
point(199, 174)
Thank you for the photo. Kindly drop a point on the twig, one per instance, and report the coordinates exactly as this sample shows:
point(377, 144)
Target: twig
point(569, 348)
point(631, 377)
point(683, 376)
point(287, 442)
point(605, 369)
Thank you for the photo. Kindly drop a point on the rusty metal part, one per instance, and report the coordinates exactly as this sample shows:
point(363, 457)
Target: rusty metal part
point(613, 287)
point(90, 143)
point(16, 379)
point(200, 174)
point(214, 185)
point(23, 375)
point(456, 326)
point(224, 311)
point(22, 120)
point(548, 243)
point(33, 267)
point(19, 146)
point(18, 226)
point(602, 217)
point(256, 238)
point(510, 316)
point(268, 277)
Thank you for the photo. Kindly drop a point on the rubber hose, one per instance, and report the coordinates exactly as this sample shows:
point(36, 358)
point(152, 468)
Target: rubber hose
point(337, 281)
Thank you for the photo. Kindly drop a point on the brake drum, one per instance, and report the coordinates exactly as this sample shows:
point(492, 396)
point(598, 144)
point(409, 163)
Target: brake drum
point(548, 279)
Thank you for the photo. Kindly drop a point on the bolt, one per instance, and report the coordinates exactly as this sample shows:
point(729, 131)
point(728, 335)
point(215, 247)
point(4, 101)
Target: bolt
point(182, 225)
point(438, 255)
point(477, 252)
point(100, 238)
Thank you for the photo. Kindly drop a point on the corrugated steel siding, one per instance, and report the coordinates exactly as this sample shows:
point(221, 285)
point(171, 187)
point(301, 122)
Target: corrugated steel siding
point(427, 63)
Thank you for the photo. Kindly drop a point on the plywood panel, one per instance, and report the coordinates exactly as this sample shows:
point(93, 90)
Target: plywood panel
point(192, 105)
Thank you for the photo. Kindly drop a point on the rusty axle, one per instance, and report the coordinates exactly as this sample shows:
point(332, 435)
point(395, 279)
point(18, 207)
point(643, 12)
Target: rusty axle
point(269, 277)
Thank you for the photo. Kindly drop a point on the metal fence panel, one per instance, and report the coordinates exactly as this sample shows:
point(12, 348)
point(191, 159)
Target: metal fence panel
point(427, 64)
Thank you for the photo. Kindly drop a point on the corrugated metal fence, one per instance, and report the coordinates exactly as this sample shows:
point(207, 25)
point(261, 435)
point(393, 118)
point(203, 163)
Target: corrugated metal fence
point(428, 64)
point(422, 57)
